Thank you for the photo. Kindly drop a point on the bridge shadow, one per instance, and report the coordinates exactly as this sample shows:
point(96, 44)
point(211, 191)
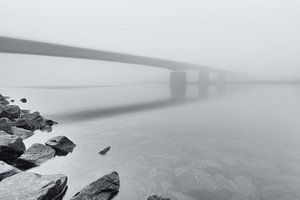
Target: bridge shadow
point(205, 92)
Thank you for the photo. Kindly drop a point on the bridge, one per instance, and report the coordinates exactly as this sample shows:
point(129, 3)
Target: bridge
point(178, 79)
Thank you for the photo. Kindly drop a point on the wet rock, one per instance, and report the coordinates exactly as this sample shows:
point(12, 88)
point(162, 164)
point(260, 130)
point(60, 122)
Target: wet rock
point(11, 112)
point(7, 170)
point(5, 125)
point(34, 121)
point(32, 186)
point(23, 100)
point(156, 197)
point(20, 132)
point(29, 121)
point(35, 155)
point(3, 100)
point(104, 151)
point(104, 188)
point(10, 146)
point(61, 144)
point(12, 100)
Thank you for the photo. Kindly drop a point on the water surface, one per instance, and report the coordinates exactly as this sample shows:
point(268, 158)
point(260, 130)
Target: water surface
point(235, 143)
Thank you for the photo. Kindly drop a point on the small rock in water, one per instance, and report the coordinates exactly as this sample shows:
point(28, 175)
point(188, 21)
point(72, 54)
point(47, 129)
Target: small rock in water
point(35, 155)
point(156, 197)
point(32, 186)
point(104, 151)
point(7, 170)
point(61, 144)
point(12, 100)
point(10, 146)
point(104, 188)
point(23, 100)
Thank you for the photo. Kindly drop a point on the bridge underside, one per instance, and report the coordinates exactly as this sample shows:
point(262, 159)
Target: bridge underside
point(178, 80)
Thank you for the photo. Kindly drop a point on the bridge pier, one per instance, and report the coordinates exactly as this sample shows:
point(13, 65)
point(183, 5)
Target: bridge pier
point(203, 83)
point(178, 84)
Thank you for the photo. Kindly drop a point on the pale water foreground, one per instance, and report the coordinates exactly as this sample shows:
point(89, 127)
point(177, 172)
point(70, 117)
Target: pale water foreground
point(231, 144)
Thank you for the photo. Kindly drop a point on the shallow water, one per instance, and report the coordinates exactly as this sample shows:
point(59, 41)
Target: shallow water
point(235, 143)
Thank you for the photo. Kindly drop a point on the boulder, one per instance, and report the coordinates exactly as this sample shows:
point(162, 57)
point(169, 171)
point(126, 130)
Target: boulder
point(10, 146)
point(33, 121)
point(104, 188)
point(11, 112)
point(61, 144)
point(156, 197)
point(5, 125)
point(29, 121)
point(3, 100)
point(7, 170)
point(32, 186)
point(35, 155)
point(20, 132)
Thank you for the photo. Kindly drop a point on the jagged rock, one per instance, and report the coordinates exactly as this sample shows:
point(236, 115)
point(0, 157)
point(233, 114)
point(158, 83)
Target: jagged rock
point(23, 100)
point(33, 121)
point(10, 146)
point(61, 144)
point(5, 125)
point(104, 151)
point(32, 186)
point(3, 133)
point(29, 121)
point(104, 188)
point(20, 132)
point(3, 100)
point(35, 155)
point(156, 197)
point(11, 112)
point(7, 170)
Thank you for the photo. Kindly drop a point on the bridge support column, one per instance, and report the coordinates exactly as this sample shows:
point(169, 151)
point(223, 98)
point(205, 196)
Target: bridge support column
point(221, 82)
point(178, 84)
point(203, 83)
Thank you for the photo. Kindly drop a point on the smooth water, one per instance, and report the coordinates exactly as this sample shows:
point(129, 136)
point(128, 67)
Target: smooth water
point(232, 144)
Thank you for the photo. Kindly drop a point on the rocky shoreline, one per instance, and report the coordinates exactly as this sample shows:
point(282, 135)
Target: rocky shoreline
point(16, 125)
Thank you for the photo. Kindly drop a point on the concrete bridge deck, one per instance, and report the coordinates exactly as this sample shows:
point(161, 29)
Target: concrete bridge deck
point(20, 46)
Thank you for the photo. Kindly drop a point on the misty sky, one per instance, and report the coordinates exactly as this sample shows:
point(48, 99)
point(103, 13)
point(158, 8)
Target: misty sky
point(253, 36)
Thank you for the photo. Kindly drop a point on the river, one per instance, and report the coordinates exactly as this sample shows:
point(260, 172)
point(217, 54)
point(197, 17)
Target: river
point(241, 142)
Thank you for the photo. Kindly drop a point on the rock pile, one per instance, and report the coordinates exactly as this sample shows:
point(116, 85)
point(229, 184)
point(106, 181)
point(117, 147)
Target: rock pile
point(19, 122)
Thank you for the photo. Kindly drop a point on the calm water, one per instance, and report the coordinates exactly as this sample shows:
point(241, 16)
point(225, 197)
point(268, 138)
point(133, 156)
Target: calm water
point(234, 144)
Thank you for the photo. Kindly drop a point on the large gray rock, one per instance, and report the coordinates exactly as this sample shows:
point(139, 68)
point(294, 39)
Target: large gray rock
point(32, 186)
point(156, 197)
point(7, 170)
point(104, 188)
point(3, 101)
point(20, 132)
point(5, 125)
point(61, 144)
point(11, 112)
point(10, 146)
point(35, 155)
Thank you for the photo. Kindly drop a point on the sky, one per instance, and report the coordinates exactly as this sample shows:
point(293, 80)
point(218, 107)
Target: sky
point(259, 37)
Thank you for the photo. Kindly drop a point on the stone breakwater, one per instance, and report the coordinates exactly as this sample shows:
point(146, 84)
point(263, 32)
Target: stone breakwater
point(16, 125)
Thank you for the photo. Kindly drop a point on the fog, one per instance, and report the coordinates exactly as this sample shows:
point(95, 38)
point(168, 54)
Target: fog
point(259, 37)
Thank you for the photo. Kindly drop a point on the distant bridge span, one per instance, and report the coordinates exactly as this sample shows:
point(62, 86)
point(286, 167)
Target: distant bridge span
point(178, 78)
point(20, 46)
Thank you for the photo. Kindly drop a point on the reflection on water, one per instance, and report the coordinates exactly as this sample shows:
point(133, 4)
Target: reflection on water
point(221, 143)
